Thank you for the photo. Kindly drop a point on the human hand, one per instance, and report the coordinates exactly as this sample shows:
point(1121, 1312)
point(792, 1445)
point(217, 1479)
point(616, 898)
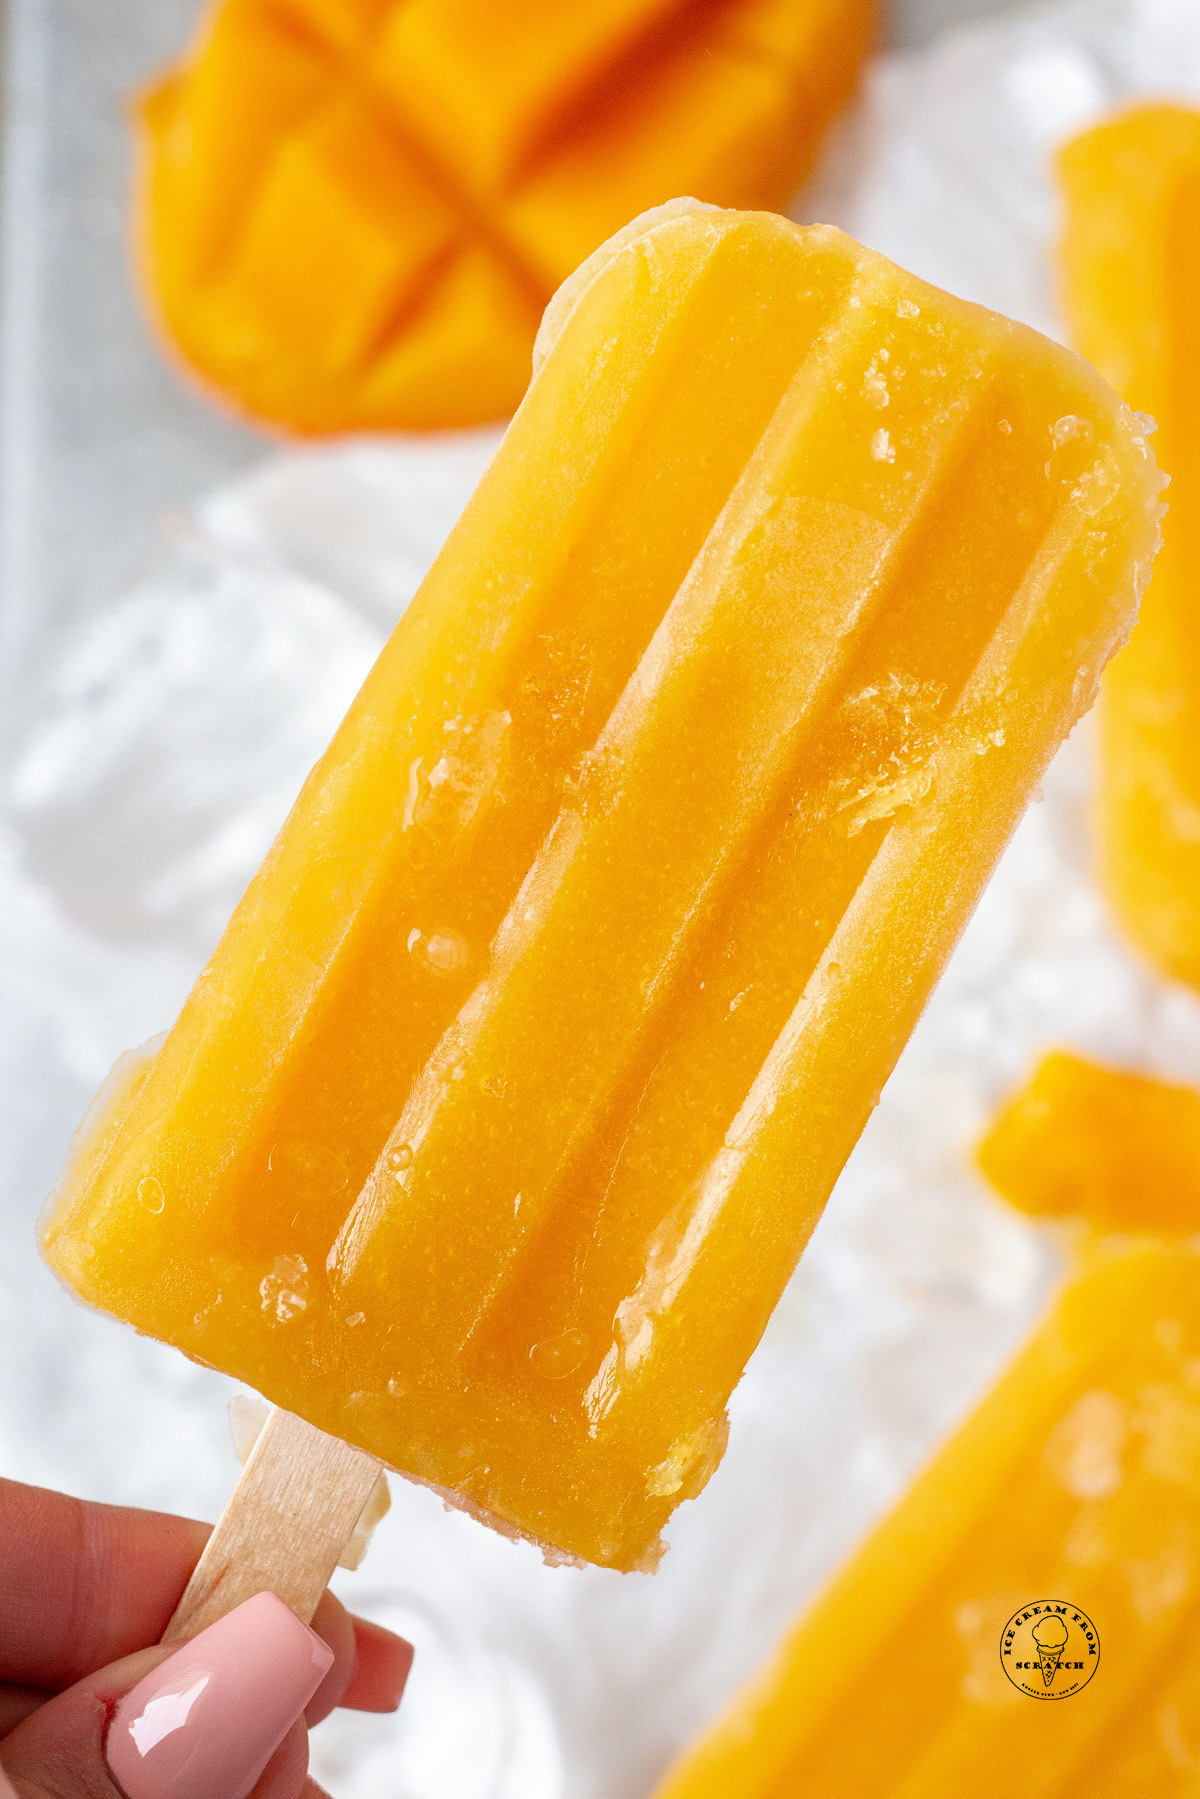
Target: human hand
point(89, 1711)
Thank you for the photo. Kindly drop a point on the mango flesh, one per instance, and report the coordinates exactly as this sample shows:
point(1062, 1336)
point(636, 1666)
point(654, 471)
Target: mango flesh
point(1130, 259)
point(352, 213)
point(496, 1125)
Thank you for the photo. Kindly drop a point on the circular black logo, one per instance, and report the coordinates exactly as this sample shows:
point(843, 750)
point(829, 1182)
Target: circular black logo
point(1049, 1649)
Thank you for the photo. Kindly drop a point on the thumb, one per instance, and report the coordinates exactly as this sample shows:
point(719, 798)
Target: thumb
point(218, 1718)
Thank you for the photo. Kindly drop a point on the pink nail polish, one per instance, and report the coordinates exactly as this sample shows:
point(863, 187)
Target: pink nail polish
point(205, 1724)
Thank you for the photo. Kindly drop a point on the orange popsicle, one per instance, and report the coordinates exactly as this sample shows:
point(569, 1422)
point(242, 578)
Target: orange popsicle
point(1075, 1484)
point(352, 212)
point(1082, 1140)
point(493, 1130)
point(1131, 273)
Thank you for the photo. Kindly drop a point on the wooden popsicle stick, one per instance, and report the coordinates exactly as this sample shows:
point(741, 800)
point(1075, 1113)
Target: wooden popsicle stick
point(287, 1521)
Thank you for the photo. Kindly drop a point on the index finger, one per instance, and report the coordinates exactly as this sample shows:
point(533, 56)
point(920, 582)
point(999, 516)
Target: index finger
point(82, 1585)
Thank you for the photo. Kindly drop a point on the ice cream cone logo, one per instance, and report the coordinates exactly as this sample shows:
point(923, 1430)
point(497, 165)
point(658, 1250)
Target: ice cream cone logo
point(1050, 1634)
point(1049, 1649)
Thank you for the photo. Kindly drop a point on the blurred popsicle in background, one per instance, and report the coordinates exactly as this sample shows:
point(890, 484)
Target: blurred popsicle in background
point(1082, 1140)
point(1130, 263)
point(1077, 1482)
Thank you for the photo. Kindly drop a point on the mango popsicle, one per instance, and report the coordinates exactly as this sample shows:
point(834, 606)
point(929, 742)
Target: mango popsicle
point(1077, 1479)
point(1076, 1482)
point(1080, 1139)
point(1131, 277)
point(495, 1126)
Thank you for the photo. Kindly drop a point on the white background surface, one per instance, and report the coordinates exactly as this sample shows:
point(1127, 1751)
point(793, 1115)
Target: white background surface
point(179, 663)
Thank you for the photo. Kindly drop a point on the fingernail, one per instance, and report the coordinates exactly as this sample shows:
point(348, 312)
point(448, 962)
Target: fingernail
point(398, 1671)
point(205, 1724)
point(7, 1789)
point(382, 1664)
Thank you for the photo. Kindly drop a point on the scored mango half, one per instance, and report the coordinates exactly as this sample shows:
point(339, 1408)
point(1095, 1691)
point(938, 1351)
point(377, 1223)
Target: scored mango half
point(351, 213)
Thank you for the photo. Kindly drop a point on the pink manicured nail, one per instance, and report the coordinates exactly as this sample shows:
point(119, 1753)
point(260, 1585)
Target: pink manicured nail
point(205, 1724)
